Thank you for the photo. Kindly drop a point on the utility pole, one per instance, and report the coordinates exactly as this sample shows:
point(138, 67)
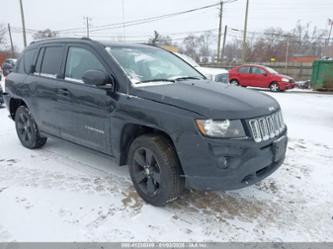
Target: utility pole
point(123, 12)
point(88, 25)
point(327, 43)
point(23, 25)
point(219, 33)
point(224, 40)
point(245, 31)
point(11, 40)
point(287, 54)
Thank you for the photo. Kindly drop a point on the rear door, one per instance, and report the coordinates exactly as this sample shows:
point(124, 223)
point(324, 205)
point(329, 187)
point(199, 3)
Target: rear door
point(244, 75)
point(43, 84)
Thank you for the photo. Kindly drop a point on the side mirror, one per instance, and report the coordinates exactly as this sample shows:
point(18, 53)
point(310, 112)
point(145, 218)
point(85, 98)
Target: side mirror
point(265, 74)
point(98, 78)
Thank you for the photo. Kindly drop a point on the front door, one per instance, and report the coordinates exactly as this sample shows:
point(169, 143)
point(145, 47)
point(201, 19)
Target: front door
point(89, 107)
point(258, 78)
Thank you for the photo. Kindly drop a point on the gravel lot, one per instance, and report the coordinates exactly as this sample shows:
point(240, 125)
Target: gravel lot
point(64, 192)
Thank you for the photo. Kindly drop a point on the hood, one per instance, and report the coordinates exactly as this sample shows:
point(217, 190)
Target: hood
point(212, 71)
point(283, 76)
point(210, 99)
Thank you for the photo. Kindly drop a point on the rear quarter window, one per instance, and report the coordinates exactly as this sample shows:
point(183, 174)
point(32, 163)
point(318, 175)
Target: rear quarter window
point(244, 70)
point(29, 60)
point(25, 62)
point(19, 68)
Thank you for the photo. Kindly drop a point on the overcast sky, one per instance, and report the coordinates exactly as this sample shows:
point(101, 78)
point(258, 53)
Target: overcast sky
point(64, 14)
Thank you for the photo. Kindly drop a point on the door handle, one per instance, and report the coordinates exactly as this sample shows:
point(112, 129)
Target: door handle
point(63, 92)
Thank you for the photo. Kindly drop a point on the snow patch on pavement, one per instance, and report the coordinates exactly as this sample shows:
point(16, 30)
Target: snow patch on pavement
point(64, 192)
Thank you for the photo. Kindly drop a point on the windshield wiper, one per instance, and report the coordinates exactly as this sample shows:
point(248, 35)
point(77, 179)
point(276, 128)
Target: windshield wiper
point(155, 80)
point(188, 78)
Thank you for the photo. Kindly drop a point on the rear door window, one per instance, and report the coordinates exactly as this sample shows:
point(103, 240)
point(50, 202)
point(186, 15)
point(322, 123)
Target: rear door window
point(52, 60)
point(79, 61)
point(39, 60)
point(244, 70)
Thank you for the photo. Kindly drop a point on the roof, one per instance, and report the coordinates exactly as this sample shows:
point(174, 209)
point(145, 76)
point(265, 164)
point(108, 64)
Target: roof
point(87, 40)
point(252, 65)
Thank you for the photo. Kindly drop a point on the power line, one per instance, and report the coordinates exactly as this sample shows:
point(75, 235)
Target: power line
point(142, 20)
point(278, 34)
point(164, 34)
point(123, 24)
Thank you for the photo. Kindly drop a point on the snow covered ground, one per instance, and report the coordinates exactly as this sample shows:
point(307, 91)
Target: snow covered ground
point(67, 193)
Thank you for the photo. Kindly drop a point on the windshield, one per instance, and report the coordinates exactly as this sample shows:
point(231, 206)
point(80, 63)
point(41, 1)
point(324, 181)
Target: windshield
point(145, 64)
point(271, 70)
point(188, 59)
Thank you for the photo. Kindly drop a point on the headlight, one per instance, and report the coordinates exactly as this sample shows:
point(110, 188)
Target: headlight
point(285, 80)
point(221, 128)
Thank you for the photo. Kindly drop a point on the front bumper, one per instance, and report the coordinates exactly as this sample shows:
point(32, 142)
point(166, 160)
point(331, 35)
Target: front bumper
point(216, 164)
point(286, 85)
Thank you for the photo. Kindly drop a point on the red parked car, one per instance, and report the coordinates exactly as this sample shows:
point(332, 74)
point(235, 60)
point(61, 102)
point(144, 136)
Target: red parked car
point(260, 76)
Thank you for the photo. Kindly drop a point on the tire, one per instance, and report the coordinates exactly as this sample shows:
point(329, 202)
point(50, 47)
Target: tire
point(155, 170)
point(274, 87)
point(27, 129)
point(234, 82)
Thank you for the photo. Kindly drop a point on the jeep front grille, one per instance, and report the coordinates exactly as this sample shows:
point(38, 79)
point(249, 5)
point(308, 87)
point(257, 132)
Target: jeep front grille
point(268, 127)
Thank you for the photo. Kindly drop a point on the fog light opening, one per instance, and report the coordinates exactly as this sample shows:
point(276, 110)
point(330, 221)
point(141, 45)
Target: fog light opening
point(223, 163)
point(248, 179)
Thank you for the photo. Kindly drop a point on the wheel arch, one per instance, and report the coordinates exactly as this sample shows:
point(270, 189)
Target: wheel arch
point(131, 131)
point(14, 104)
point(231, 79)
point(272, 82)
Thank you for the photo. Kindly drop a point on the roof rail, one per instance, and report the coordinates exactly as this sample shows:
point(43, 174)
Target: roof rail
point(86, 38)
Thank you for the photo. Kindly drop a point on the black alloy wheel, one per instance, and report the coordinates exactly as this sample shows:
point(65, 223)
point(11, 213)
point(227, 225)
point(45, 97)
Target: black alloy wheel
point(147, 172)
point(155, 169)
point(27, 129)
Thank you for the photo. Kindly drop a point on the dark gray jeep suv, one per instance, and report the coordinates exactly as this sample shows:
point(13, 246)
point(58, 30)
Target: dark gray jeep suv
point(148, 109)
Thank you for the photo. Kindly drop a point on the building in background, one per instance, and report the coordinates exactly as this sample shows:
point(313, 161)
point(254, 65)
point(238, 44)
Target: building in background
point(303, 58)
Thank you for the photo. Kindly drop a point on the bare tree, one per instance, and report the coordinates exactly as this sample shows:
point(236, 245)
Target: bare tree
point(190, 43)
point(199, 48)
point(274, 42)
point(43, 34)
point(154, 39)
point(159, 39)
point(307, 40)
point(205, 42)
point(3, 31)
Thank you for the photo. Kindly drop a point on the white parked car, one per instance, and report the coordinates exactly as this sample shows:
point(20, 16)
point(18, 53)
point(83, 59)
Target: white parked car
point(215, 74)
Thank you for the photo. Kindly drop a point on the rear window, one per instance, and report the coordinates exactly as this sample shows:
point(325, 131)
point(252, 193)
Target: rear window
point(19, 68)
point(52, 61)
point(25, 62)
point(29, 59)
